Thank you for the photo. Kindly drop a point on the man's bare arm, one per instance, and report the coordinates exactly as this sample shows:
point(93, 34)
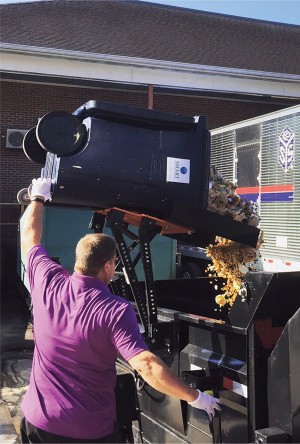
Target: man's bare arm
point(159, 376)
point(31, 226)
point(32, 220)
point(154, 371)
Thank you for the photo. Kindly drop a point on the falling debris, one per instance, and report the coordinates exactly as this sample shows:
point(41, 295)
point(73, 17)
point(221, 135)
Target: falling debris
point(231, 260)
point(223, 199)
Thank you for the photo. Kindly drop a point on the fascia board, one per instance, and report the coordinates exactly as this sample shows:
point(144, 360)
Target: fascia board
point(104, 67)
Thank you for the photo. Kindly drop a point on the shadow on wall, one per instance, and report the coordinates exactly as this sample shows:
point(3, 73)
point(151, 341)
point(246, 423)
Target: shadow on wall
point(15, 313)
point(13, 292)
point(9, 236)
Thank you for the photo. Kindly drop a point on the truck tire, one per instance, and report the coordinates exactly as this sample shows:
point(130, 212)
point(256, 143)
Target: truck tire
point(191, 270)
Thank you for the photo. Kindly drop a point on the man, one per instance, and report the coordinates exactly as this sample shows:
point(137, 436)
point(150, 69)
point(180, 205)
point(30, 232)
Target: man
point(79, 328)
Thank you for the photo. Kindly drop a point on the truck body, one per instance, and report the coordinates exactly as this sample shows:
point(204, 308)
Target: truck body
point(262, 156)
point(232, 355)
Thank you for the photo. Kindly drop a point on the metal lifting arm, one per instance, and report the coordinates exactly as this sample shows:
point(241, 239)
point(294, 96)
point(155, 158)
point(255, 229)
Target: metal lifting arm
point(147, 231)
point(118, 220)
point(116, 224)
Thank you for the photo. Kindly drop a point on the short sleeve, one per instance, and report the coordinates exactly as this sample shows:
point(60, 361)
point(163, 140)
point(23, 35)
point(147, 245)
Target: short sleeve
point(41, 269)
point(126, 335)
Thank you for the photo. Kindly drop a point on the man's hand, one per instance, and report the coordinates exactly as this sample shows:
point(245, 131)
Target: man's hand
point(40, 188)
point(31, 222)
point(207, 403)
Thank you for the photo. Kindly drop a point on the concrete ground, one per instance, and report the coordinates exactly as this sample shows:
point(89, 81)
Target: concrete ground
point(16, 359)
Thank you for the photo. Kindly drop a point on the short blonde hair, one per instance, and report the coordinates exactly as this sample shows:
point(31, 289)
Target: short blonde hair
point(92, 251)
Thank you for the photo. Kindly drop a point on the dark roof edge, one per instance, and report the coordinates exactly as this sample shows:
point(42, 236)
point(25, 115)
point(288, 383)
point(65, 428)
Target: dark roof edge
point(173, 7)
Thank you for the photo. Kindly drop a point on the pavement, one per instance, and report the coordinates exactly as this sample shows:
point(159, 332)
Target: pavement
point(16, 360)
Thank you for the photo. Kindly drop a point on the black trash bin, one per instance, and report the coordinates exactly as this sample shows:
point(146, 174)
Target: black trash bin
point(135, 159)
point(107, 155)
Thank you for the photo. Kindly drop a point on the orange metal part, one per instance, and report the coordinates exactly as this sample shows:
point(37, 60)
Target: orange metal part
point(136, 218)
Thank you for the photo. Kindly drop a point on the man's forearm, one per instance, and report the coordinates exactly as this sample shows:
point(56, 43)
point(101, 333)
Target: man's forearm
point(32, 226)
point(159, 376)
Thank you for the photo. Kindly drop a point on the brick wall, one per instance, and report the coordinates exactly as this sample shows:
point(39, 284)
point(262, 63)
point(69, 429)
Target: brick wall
point(219, 112)
point(23, 103)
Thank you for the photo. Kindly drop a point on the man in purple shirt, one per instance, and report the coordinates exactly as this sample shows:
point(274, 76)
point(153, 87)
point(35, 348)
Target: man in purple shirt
point(79, 328)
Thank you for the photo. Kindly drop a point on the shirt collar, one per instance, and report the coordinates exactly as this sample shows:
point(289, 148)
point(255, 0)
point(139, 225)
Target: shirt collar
point(88, 280)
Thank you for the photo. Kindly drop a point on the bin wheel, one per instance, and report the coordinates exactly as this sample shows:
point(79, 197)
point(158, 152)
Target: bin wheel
point(23, 197)
point(191, 270)
point(61, 133)
point(32, 149)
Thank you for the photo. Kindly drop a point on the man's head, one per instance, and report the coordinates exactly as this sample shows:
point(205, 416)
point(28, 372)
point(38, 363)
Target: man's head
point(95, 256)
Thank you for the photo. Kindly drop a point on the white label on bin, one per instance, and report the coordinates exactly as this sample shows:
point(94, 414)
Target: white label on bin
point(178, 170)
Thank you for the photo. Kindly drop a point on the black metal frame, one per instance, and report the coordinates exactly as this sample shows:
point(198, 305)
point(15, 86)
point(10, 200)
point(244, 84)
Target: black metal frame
point(145, 298)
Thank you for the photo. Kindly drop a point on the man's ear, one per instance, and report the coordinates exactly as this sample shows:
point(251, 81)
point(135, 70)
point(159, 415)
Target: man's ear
point(106, 266)
point(103, 272)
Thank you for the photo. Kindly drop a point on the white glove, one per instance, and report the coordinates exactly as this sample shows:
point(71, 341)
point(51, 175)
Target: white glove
point(40, 188)
point(207, 403)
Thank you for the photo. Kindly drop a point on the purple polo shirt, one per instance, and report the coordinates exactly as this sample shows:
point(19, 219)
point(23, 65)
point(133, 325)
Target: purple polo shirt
point(79, 327)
